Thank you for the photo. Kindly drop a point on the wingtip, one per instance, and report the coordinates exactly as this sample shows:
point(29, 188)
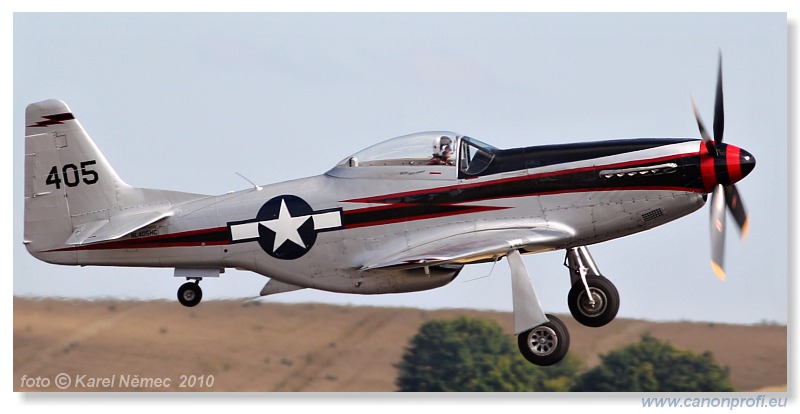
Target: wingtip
point(718, 271)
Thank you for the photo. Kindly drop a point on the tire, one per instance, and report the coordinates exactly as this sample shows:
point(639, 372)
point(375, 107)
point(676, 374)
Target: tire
point(546, 344)
point(606, 302)
point(190, 294)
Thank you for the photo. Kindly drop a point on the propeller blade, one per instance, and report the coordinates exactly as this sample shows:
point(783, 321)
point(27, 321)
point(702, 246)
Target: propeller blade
point(719, 112)
point(735, 204)
point(718, 231)
point(703, 133)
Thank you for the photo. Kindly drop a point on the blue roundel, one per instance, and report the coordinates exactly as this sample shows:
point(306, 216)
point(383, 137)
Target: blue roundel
point(286, 227)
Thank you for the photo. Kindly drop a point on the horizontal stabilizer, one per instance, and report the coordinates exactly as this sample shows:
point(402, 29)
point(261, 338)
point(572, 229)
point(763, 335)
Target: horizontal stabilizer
point(115, 228)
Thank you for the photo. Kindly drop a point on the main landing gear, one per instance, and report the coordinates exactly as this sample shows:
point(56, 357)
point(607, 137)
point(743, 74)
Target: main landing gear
point(546, 344)
point(542, 339)
point(593, 301)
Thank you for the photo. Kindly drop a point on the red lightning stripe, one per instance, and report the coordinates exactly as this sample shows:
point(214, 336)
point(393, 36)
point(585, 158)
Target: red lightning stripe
point(53, 120)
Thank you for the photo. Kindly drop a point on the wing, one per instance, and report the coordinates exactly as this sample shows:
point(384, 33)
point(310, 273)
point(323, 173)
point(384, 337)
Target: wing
point(476, 246)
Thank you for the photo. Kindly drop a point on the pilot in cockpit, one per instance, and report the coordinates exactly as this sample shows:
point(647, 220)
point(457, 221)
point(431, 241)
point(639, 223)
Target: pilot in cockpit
point(442, 152)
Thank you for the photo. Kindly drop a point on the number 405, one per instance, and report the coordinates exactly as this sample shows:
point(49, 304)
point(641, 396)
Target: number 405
point(72, 175)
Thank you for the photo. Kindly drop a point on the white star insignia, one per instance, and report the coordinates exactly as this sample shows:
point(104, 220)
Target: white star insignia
point(285, 228)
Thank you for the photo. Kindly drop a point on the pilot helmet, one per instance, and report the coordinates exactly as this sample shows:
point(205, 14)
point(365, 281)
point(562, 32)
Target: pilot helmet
point(441, 145)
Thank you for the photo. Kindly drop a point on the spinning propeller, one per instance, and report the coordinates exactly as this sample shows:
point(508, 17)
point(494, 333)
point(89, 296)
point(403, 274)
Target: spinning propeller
point(721, 166)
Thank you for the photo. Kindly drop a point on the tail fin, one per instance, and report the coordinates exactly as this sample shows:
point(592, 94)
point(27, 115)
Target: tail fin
point(65, 162)
point(72, 194)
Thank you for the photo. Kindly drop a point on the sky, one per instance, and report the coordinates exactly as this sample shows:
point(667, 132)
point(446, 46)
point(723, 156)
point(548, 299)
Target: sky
point(186, 101)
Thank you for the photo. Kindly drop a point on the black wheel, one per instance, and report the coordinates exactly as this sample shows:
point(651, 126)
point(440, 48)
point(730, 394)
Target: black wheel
point(546, 344)
point(190, 294)
point(605, 306)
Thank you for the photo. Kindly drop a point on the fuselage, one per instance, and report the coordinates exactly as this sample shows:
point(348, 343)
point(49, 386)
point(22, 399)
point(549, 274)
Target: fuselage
point(319, 232)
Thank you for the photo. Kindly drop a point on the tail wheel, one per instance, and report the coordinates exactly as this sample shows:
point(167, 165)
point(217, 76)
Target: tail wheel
point(190, 294)
point(546, 344)
point(601, 308)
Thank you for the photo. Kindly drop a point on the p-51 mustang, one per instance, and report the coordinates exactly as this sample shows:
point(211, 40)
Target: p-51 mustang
point(401, 216)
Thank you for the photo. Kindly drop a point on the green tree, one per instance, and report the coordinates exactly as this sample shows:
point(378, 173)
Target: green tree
point(468, 354)
point(655, 366)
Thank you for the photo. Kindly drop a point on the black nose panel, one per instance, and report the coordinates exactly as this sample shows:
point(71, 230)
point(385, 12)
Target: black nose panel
point(747, 162)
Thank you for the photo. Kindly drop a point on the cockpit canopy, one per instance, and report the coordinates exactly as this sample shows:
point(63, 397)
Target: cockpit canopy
point(414, 149)
point(434, 150)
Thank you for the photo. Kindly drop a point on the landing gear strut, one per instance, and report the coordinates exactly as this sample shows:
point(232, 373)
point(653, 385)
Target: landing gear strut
point(190, 294)
point(593, 300)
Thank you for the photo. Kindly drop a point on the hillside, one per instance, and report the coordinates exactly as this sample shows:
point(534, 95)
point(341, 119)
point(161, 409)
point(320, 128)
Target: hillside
point(256, 346)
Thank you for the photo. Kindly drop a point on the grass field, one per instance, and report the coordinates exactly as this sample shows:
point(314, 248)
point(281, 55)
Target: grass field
point(255, 346)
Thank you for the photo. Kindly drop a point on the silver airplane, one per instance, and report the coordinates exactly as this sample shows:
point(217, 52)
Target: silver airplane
point(401, 216)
